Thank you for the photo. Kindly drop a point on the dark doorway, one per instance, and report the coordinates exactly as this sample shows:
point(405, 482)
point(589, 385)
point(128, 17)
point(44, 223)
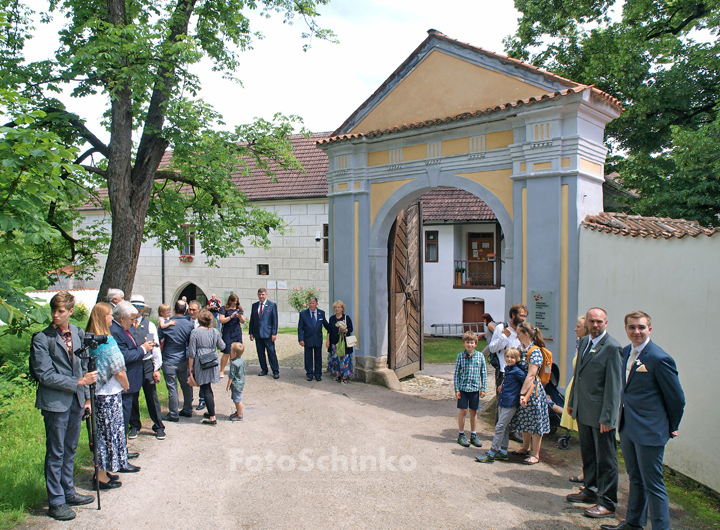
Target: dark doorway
point(193, 292)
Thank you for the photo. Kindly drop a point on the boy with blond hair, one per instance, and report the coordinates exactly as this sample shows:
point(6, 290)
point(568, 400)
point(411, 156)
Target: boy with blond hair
point(236, 379)
point(470, 382)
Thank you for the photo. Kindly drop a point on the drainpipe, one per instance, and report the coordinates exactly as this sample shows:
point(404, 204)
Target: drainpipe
point(162, 274)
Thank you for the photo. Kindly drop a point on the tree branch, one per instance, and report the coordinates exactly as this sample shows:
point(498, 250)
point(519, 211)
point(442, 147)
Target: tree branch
point(177, 177)
point(699, 12)
point(82, 130)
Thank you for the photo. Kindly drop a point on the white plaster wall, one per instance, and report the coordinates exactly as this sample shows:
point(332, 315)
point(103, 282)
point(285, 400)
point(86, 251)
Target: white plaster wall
point(82, 296)
point(441, 303)
point(675, 281)
point(294, 257)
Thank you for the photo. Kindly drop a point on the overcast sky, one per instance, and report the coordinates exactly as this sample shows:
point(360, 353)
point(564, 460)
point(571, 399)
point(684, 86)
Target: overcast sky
point(328, 82)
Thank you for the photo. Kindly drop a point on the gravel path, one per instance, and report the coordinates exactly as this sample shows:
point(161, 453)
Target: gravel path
point(317, 455)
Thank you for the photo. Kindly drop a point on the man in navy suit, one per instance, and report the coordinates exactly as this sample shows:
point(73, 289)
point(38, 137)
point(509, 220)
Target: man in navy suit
point(310, 326)
point(124, 315)
point(652, 407)
point(263, 330)
point(62, 395)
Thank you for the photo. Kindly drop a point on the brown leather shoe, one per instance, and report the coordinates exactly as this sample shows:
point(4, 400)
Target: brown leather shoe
point(583, 496)
point(598, 512)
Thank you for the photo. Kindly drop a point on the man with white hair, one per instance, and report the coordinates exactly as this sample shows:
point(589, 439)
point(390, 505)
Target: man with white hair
point(124, 315)
point(142, 330)
point(115, 296)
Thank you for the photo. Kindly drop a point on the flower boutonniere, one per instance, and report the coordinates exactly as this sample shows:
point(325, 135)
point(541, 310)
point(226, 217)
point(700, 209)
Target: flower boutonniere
point(592, 351)
point(638, 364)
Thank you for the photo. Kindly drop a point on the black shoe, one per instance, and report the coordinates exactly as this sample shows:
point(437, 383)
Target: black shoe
point(210, 422)
point(111, 485)
point(309, 378)
point(78, 500)
point(318, 378)
point(61, 512)
point(111, 476)
point(130, 469)
point(133, 433)
point(160, 434)
point(200, 406)
point(133, 455)
point(186, 414)
point(263, 373)
point(171, 418)
point(624, 525)
point(276, 375)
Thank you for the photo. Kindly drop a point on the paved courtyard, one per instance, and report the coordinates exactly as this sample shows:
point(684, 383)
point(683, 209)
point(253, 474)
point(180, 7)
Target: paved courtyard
point(322, 455)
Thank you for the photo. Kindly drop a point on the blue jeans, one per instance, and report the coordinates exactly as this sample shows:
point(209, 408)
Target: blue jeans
point(174, 373)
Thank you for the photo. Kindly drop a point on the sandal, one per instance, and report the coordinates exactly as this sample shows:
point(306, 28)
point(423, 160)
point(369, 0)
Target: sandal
point(531, 460)
point(577, 480)
point(343, 382)
point(520, 452)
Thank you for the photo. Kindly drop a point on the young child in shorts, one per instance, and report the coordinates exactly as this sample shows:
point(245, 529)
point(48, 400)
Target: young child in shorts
point(508, 402)
point(164, 321)
point(470, 381)
point(236, 379)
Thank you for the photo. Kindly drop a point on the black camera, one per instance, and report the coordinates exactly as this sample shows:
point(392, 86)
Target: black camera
point(92, 341)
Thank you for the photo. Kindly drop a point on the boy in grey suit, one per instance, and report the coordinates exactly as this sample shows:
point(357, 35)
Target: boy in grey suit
point(62, 395)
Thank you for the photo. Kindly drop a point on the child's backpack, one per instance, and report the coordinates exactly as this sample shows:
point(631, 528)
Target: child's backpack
point(545, 370)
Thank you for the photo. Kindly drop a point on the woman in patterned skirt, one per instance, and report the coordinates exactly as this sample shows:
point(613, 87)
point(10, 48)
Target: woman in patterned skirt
point(111, 381)
point(341, 367)
point(531, 419)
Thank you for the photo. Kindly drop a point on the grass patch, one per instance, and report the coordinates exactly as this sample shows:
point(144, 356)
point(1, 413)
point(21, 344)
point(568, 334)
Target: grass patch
point(287, 331)
point(701, 504)
point(445, 349)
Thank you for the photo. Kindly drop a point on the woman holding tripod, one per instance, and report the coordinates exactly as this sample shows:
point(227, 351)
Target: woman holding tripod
point(111, 381)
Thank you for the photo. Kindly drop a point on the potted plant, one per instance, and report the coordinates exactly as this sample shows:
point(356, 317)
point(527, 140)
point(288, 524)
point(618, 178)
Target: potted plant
point(459, 275)
point(186, 258)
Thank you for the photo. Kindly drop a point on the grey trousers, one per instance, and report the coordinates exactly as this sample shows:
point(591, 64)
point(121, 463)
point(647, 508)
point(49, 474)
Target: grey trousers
point(62, 432)
point(174, 373)
point(501, 440)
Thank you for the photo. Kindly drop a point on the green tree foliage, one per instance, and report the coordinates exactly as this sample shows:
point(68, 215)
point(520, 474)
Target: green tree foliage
point(139, 54)
point(661, 59)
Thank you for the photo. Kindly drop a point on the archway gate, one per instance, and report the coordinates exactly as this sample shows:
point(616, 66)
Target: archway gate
point(526, 142)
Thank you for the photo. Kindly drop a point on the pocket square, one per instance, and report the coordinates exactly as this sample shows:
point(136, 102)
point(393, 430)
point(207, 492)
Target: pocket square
point(641, 368)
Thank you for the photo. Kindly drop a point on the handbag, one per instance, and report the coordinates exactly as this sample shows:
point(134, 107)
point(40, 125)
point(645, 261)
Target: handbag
point(351, 341)
point(208, 360)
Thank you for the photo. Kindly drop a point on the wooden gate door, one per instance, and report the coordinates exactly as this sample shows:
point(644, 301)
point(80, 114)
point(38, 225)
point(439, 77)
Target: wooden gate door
point(405, 355)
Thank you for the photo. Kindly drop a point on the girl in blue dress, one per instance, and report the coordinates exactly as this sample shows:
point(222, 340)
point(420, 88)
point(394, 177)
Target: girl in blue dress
point(531, 419)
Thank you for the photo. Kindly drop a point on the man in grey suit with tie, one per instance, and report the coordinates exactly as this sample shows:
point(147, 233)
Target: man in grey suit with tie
point(594, 402)
point(62, 395)
point(652, 407)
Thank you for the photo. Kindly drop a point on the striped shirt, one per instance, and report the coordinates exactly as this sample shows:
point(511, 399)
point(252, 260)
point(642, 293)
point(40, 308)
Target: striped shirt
point(470, 372)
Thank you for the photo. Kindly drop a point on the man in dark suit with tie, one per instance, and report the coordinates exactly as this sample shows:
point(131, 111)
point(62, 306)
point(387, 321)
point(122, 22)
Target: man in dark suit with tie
point(124, 315)
point(263, 330)
point(310, 326)
point(652, 407)
point(175, 366)
point(594, 402)
point(63, 394)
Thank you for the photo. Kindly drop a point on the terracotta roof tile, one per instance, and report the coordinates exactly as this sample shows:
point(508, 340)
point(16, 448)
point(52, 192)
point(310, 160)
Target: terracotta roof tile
point(459, 117)
point(452, 204)
point(636, 225)
point(290, 184)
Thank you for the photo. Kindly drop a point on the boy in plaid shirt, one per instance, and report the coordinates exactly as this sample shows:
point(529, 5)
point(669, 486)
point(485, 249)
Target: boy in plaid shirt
point(470, 380)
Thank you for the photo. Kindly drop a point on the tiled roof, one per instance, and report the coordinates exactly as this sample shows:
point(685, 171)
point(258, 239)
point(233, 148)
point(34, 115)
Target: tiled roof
point(452, 204)
point(573, 87)
point(449, 119)
point(291, 184)
point(636, 225)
